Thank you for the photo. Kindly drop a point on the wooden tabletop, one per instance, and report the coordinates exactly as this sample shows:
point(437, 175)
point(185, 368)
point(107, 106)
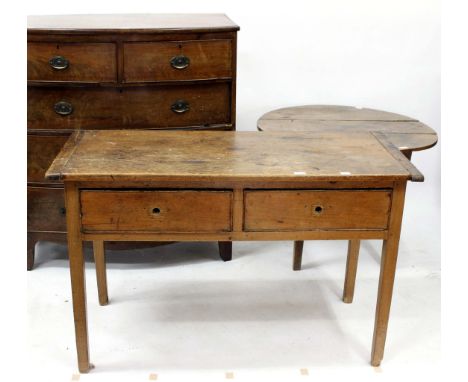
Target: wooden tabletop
point(130, 23)
point(408, 134)
point(136, 155)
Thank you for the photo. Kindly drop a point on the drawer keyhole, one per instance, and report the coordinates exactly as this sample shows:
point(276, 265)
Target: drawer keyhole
point(318, 210)
point(156, 210)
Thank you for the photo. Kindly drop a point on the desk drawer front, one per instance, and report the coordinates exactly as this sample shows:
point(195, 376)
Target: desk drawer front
point(156, 211)
point(139, 107)
point(177, 60)
point(316, 209)
point(84, 62)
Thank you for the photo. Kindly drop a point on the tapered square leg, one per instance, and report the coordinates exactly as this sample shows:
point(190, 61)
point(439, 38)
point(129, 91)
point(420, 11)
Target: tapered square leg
point(387, 274)
point(384, 300)
point(101, 273)
point(351, 269)
point(225, 250)
point(77, 273)
point(297, 255)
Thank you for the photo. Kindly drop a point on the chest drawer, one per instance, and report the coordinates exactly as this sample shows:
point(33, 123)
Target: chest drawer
point(42, 150)
point(178, 60)
point(46, 210)
point(156, 211)
point(72, 62)
point(316, 209)
point(135, 107)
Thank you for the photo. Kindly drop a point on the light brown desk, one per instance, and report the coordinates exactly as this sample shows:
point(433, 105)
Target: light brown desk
point(228, 186)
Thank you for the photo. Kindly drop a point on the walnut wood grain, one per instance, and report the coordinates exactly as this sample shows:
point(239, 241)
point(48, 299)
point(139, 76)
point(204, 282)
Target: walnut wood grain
point(94, 46)
point(42, 150)
point(46, 210)
point(139, 107)
point(88, 62)
point(148, 61)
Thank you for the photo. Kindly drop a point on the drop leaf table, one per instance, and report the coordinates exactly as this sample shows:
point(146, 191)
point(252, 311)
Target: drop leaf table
point(228, 186)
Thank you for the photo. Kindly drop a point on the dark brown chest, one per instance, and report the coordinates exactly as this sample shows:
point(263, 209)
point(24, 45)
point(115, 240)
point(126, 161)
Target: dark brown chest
point(120, 72)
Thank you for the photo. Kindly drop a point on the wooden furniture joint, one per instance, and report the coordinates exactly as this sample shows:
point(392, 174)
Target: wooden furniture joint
point(266, 186)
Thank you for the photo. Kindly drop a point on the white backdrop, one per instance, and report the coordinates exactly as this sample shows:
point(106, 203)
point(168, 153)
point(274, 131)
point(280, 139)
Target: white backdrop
point(380, 54)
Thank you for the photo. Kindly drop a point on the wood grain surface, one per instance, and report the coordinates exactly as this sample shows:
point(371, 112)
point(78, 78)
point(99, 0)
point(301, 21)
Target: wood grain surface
point(304, 209)
point(101, 51)
point(138, 107)
point(149, 61)
point(135, 23)
point(189, 156)
point(156, 211)
point(406, 133)
point(88, 62)
point(46, 210)
point(42, 150)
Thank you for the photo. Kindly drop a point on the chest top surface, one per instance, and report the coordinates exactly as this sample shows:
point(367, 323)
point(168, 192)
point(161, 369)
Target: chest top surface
point(130, 23)
point(232, 156)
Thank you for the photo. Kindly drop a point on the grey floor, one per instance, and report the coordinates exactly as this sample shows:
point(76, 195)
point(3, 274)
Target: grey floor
point(179, 313)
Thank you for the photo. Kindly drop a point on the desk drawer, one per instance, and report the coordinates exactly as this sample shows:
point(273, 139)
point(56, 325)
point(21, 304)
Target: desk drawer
point(177, 60)
point(132, 107)
point(316, 209)
point(70, 62)
point(156, 211)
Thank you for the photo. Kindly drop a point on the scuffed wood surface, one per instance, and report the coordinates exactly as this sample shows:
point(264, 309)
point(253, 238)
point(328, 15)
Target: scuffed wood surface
point(404, 132)
point(177, 211)
point(232, 156)
point(281, 210)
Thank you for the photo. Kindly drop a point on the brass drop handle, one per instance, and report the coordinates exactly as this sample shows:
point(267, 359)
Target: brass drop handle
point(63, 108)
point(180, 106)
point(180, 62)
point(318, 209)
point(59, 63)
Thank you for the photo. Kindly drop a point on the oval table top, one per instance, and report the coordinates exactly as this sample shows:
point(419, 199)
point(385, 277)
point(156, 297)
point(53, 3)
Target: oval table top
point(406, 133)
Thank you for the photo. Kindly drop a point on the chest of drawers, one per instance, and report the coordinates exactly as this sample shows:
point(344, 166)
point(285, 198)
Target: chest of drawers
point(88, 72)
